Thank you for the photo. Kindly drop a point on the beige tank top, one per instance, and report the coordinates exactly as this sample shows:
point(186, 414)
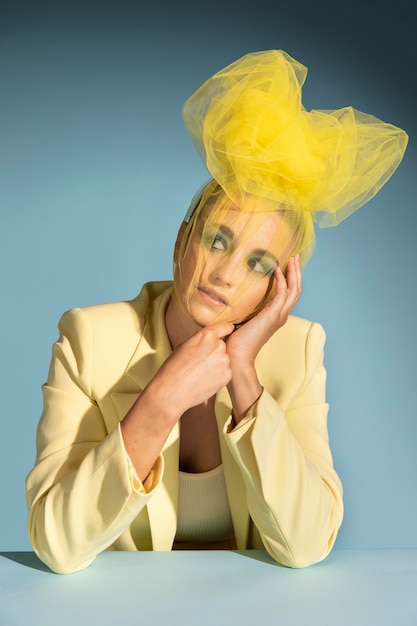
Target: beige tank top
point(203, 507)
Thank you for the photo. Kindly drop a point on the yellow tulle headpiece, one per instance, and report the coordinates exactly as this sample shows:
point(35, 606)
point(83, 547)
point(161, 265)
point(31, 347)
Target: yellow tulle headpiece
point(262, 147)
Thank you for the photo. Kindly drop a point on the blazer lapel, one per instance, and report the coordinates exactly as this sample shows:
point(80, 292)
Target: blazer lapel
point(163, 506)
point(235, 486)
point(152, 350)
point(153, 347)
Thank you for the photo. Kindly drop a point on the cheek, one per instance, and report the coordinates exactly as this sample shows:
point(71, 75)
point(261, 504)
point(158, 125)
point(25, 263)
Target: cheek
point(253, 295)
point(192, 265)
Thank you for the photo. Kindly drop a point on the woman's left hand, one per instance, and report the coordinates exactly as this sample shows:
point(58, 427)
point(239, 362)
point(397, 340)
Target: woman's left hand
point(245, 342)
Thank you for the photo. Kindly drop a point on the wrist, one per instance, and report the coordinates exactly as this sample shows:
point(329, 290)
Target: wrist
point(245, 390)
point(162, 404)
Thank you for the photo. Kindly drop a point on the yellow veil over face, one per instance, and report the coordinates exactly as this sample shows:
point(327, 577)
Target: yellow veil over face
point(266, 153)
point(264, 149)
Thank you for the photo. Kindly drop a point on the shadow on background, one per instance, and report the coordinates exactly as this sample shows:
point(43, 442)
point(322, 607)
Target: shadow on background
point(28, 559)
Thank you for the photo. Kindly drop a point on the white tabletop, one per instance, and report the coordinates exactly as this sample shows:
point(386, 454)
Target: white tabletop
point(351, 587)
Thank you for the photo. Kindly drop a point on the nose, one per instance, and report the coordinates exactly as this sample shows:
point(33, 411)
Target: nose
point(228, 271)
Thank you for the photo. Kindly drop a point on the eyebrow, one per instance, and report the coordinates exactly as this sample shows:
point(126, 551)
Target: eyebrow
point(225, 230)
point(268, 255)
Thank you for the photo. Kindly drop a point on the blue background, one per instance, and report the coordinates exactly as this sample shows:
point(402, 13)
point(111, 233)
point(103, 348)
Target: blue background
point(96, 172)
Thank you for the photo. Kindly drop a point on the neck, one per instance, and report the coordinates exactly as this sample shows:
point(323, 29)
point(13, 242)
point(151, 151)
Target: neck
point(179, 325)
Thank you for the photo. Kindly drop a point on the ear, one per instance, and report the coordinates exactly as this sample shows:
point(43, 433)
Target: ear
point(178, 241)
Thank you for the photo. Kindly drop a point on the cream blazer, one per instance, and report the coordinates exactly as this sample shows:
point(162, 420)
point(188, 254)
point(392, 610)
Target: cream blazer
point(82, 494)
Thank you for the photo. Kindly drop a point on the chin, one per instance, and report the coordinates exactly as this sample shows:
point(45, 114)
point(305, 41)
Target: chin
point(207, 318)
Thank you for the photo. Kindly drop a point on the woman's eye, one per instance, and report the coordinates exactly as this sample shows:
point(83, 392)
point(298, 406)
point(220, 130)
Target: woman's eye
point(261, 266)
point(218, 243)
point(215, 241)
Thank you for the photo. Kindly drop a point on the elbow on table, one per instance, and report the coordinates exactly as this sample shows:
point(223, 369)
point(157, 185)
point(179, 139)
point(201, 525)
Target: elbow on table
point(51, 544)
point(55, 558)
point(60, 564)
point(303, 553)
point(296, 559)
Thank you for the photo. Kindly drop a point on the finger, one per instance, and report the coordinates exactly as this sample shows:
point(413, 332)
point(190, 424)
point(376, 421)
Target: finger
point(281, 282)
point(279, 289)
point(291, 293)
point(294, 278)
point(299, 274)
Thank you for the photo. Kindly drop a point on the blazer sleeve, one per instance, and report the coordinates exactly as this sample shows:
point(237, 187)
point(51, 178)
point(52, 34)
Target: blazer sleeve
point(294, 495)
point(81, 493)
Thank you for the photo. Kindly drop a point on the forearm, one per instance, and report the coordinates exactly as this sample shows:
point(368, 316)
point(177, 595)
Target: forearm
point(82, 512)
point(244, 389)
point(294, 495)
point(147, 426)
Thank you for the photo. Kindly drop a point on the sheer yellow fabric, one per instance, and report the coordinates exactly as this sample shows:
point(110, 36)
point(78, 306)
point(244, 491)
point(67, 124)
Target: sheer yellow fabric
point(265, 154)
point(263, 148)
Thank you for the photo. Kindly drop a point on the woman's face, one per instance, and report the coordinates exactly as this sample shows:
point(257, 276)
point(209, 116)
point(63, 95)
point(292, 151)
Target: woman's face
point(240, 252)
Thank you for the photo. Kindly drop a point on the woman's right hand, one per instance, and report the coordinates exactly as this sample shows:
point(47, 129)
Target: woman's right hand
point(192, 374)
point(196, 369)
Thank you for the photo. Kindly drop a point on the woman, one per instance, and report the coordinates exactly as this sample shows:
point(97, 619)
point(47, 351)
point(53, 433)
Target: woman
point(195, 415)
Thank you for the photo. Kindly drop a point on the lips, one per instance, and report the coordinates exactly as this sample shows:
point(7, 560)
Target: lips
point(213, 296)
